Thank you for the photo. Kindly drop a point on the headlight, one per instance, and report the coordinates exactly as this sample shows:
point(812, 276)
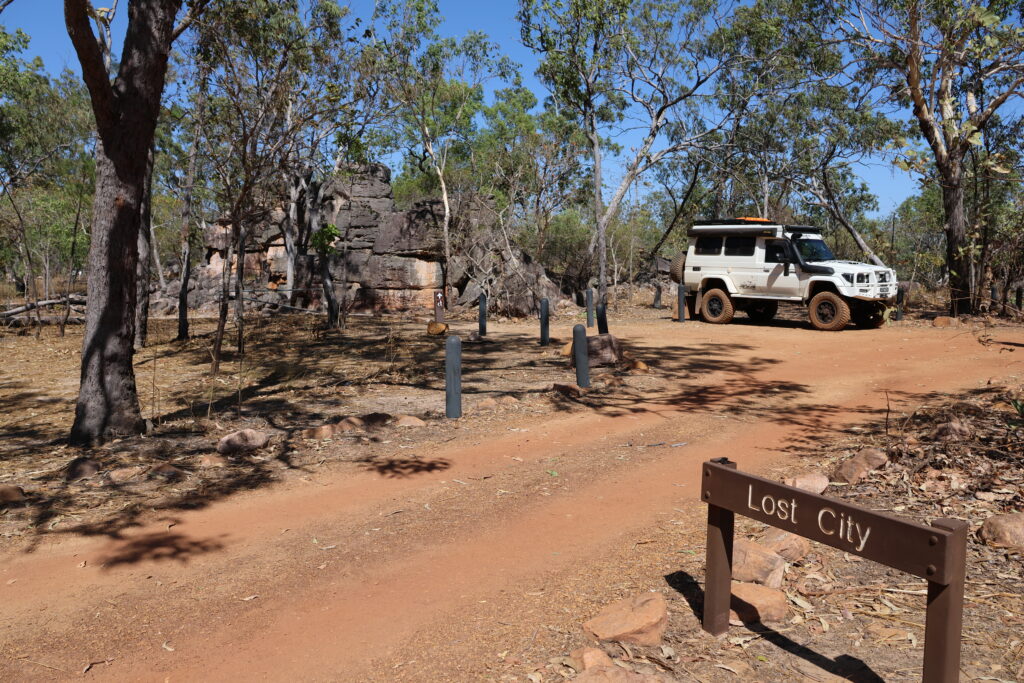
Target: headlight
point(848, 277)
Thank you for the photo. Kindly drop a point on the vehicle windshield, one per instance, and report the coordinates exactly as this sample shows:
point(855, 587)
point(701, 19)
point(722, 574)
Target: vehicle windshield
point(814, 250)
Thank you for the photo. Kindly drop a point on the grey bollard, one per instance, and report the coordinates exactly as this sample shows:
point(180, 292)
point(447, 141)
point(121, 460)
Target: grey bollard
point(899, 305)
point(602, 319)
point(590, 308)
point(580, 356)
point(483, 315)
point(1020, 298)
point(681, 296)
point(993, 294)
point(657, 298)
point(453, 377)
point(545, 334)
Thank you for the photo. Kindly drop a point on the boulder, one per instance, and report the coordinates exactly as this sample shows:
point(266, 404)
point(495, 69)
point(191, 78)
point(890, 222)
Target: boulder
point(602, 349)
point(945, 321)
point(858, 467)
point(815, 482)
point(319, 433)
point(566, 351)
point(753, 602)
point(568, 390)
point(755, 563)
point(80, 468)
point(165, 471)
point(11, 494)
point(953, 430)
point(1005, 530)
point(588, 657)
point(120, 475)
point(789, 546)
point(435, 328)
point(349, 424)
point(376, 420)
point(638, 367)
point(242, 441)
point(639, 620)
point(409, 421)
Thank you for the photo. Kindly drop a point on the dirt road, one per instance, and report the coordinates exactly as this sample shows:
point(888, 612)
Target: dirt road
point(495, 549)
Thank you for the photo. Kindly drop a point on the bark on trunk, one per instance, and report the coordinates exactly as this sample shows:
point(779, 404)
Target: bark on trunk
point(143, 268)
point(108, 405)
point(222, 314)
point(330, 296)
point(240, 287)
point(956, 245)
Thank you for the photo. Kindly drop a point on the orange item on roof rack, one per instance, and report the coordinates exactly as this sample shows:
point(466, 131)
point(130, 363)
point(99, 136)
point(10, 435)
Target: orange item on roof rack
point(753, 218)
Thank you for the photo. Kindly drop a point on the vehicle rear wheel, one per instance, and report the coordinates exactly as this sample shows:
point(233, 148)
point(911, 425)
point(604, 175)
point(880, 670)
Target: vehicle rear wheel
point(828, 311)
point(675, 271)
point(762, 311)
point(716, 307)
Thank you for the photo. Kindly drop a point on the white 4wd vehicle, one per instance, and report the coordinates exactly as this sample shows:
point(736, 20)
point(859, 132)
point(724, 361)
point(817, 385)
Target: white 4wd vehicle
point(751, 265)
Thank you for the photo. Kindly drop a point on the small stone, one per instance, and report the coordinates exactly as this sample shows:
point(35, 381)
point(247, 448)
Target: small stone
point(508, 400)
point(945, 321)
point(602, 349)
point(566, 350)
point(640, 620)
point(348, 424)
point(409, 421)
point(950, 431)
point(11, 494)
point(589, 657)
point(638, 367)
point(815, 482)
point(435, 328)
point(752, 602)
point(858, 467)
point(487, 404)
point(789, 546)
point(242, 441)
point(753, 562)
point(211, 460)
point(319, 433)
point(569, 390)
point(1004, 530)
point(120, 475)
point(165, 471)
point(80, 468)
point(376, 420)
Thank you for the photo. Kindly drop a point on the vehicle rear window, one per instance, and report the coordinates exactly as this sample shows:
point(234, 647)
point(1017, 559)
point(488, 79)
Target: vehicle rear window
point(708, 246)
point(776, 251)
point(739, 245)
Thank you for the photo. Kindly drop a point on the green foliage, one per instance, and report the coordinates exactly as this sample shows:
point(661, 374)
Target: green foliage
point(323, 239)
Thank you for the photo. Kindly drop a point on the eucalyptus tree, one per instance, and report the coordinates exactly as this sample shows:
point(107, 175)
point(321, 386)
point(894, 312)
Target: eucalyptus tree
point(644, 66)
point(437, 86)
point(953, 65)
point(126, 108)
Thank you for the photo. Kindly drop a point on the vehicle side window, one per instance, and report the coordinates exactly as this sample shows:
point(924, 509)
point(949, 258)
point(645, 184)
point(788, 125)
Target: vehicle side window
point(776, 251)
point(740, 245)
point(708, 246)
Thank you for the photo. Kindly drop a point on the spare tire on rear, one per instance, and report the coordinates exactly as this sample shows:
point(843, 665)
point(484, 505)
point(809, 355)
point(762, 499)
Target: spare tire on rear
point(675, 271)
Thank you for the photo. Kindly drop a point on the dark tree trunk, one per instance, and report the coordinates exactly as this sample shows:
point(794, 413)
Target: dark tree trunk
point(330, 296)
point(186, 274)
point(222, 315)
point(957, 256)
point(240, 287)
point(143, 269)
point(126, 111)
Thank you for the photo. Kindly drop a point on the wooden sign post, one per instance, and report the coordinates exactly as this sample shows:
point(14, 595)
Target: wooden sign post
point(937, 553)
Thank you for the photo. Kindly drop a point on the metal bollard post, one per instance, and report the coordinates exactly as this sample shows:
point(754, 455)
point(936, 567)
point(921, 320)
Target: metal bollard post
point(1020, 298)
point(657, 298)
point(899, 305)
point(993, 293)
point(590, 308)
point(581, 356)
point(483, 315)
point(453, 377)
point(602, 318)
point(439, 307)
point(681, 295)
point(545, 336)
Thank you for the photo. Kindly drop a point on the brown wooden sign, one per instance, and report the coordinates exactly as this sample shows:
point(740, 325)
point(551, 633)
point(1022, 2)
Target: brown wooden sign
point(936, 553)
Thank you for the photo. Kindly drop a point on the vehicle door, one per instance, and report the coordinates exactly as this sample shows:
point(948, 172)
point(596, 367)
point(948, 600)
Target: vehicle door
point(740, 254)
point(776, 278)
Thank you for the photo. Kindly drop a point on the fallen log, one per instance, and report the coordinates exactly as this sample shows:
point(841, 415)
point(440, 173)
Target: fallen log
point(32, 305)
point(42, 320)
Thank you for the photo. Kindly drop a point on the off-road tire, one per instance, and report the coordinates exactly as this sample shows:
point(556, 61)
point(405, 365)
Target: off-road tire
point(675, 271)
point(716, 307)
point(829, 312)
point(762, 311)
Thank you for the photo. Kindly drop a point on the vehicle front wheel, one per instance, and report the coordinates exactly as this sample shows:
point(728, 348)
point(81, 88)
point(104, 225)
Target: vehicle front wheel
point(762, 311)
point(716, 307)
point(828, 311)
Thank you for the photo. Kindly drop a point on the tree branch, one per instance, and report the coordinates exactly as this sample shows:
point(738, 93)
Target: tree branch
point(76, 18)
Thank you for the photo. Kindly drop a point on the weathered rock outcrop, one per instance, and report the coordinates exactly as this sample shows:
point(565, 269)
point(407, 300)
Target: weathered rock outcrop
point(383, 259)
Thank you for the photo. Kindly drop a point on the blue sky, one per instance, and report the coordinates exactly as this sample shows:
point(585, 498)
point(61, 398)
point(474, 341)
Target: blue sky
point(43, 21)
